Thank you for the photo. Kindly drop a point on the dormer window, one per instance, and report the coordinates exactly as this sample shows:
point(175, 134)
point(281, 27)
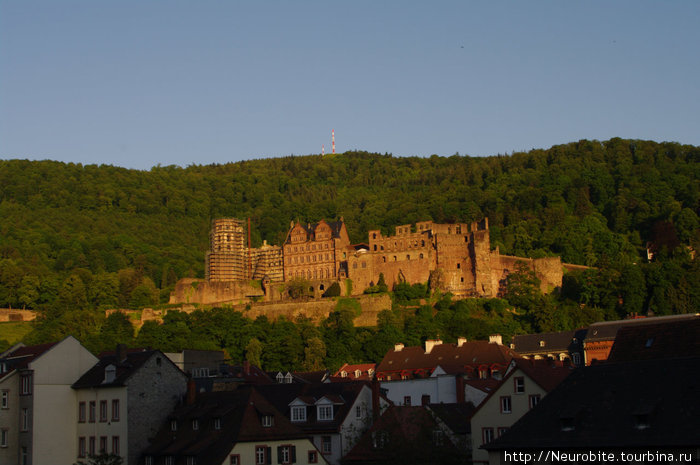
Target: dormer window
point(173, 425)
point(217, 423)
point(649, 342)
point(370, 372)
point(195, 424)
point(288, 378)
point(325, 412)
point(343, 374)
point(541, 343)
point(298, 413)
point(267, 421)
point(279, 378)
point(358, 373)
point(110, 373)
point(566, 423)
point(379, 439)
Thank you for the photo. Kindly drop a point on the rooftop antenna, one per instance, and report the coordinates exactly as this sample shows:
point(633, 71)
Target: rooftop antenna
point(323, 149)
point(333, 139)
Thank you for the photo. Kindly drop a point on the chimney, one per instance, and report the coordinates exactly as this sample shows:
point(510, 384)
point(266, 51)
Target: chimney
point(398, 347)
point(459, 380)
point(191, 391)
point(461, 341)
point(430, 343)
point(375, 399)
point(121, 353)
point(246, 367)
point(496, 339)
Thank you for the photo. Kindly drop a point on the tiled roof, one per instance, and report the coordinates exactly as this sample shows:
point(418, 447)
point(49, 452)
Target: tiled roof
point(639, 404)
point(318, 376)
point(407, 433)
point(544, 372)
point(606, 330)
point(351, 369)
point(671, 339)
point(485, 385)
point(21, 356)
point(95, 376)
point(341, 394)
point(469, 354)
point(239, 414)
point(456, 416)
point(553, 342)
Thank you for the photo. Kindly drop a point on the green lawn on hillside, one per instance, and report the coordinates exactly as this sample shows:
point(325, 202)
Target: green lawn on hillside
point(14, 331)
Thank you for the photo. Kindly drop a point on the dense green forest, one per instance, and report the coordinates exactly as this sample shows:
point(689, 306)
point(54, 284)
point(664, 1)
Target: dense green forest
point(77, 238)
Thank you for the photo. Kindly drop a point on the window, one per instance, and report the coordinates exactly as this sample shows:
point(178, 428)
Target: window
point(267, 421)
point(3, 437)
point(576, 358)
point(459, 266)
point(169, 460)
point(379, 439)
point(407, 400)
point(25, 419)
point(326, 446)
point(115, 445)
point(358, 411)
point(26, 387)
point(534, 400)
point(519, 385)
point(92, 411)
point(115, 409)
point(103, 444)
point(5, 402)
point(505, 404)
point(148, 460)
point(195, 424)
point(313, 456)
point(91, 444)
point(286, 454)
point(234, 459)
point(81, 412)
point(501, 431)
point(566, 423)
point(260, 455)
point(486, 435)
point(438, 437)
point(82, 447)
point(25, 456)
point(298, 413)
point(103, 410)
point(325, 412)
point(191, 460)
point(173, 425)
point(217, 423)
point(425, 399)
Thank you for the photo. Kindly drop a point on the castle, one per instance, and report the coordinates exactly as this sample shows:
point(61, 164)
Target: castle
point(456, 258)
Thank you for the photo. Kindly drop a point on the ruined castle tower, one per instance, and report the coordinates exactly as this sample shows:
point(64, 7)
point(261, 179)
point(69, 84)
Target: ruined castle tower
point(226, 259)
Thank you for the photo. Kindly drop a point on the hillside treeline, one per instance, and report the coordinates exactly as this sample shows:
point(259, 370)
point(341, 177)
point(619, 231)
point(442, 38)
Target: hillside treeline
point(92, 237)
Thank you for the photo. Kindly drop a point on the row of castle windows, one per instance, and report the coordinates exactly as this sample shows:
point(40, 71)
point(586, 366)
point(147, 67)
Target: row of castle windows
point(309, 247)
point(400, 244)
point(395, 258)
point(309, 259)
point(314, 274)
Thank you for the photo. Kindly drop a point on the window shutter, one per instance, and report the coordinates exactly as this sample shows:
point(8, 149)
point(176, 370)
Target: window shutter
point(279, 454)
point(294, 454)
point(269, 456)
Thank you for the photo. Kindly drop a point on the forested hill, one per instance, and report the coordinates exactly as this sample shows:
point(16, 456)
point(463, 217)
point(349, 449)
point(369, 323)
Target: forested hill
point(594, 203)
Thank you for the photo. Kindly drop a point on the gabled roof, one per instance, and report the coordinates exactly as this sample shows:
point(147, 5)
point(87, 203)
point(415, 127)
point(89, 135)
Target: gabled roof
point(95, 376)
point(239, 414)
point(473, 353)
point(310, 229)
point(342, 395)
point(544, 372)
point(318, 376)
point(673, 339)
point(640, 404)
point(561, 341)
point(20, 356)
point(606, 330)
point(403, 434)
point(456, 416)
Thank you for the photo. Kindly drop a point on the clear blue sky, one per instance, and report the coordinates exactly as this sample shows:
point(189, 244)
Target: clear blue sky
point(140, 83)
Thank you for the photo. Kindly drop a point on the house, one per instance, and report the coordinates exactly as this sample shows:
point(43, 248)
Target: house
point(643, 407)
point(601, 336)
point(525, 384)
point(122, 400)
point(561, 346)
point(229, 428)
point(37, 405)
point(406, 435)
point(335, 415)
point(438, 372)
point(360, 371)
point(665, 339)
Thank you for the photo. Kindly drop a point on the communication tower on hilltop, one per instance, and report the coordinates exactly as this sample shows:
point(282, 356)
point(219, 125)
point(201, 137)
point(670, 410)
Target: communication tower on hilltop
point(333, 139)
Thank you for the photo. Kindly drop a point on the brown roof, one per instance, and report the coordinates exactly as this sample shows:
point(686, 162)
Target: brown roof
point(239, 414)
point(544, 372)
point(471, 354)
point(95, 376)
point(562, 341)
point(456, 416)
point(672, 339)
point(606, 330)
point(351, 369)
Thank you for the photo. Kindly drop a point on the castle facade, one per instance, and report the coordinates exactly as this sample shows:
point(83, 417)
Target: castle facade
point(456, 258)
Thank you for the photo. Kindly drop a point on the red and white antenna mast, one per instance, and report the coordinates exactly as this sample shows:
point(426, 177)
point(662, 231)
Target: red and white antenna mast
point(323, 149)
point(333, 139)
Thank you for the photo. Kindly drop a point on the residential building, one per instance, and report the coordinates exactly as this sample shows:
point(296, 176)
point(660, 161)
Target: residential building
point(37, 406)
point(122, 400)
point(335, 415)
point(648, 407)
point(561, 346)
point(407, 435)
point(229, 428)
point(523, 387)
point(198, 363)
point(439, 372)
